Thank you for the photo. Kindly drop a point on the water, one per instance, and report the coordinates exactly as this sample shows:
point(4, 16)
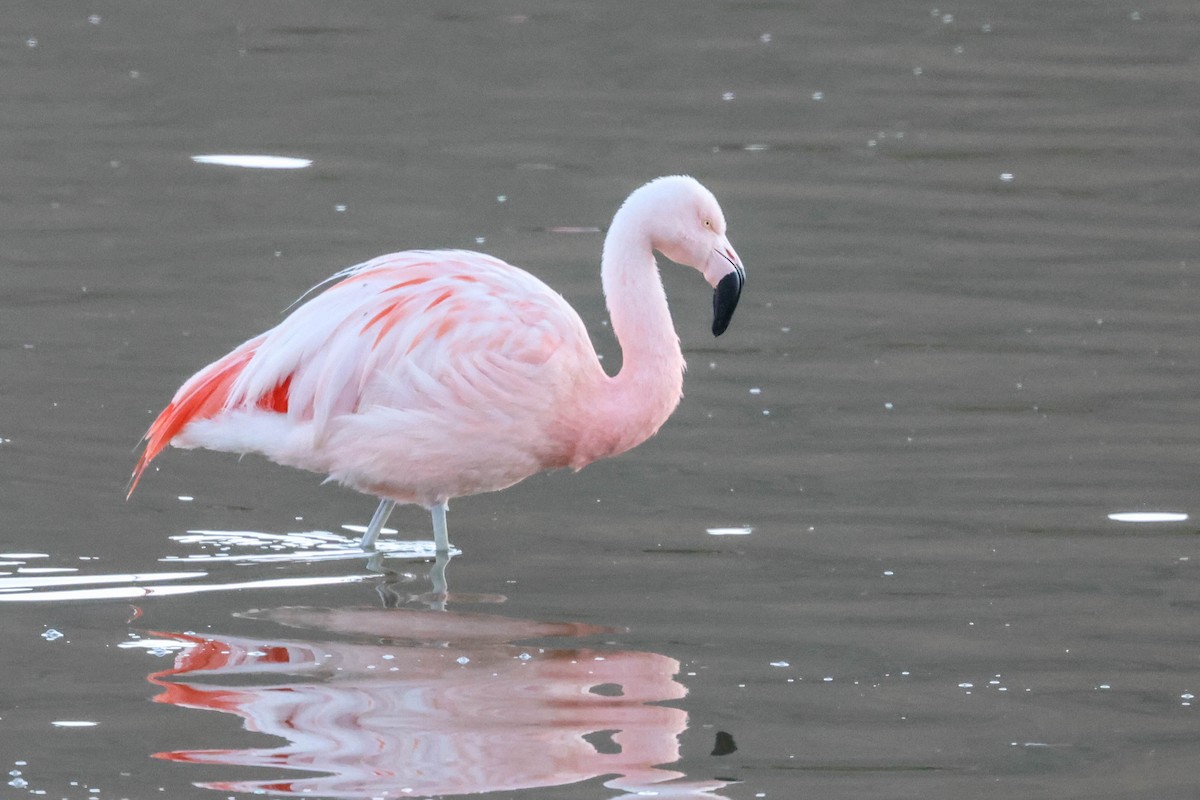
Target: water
point(967, 339)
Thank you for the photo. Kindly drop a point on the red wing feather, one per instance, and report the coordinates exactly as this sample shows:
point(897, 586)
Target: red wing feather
point(203, 397)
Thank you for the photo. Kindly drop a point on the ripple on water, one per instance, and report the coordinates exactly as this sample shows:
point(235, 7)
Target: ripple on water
point(300, 547)
point(50, 584)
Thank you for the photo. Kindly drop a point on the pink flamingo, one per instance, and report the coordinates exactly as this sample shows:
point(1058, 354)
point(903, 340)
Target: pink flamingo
point(425, 375)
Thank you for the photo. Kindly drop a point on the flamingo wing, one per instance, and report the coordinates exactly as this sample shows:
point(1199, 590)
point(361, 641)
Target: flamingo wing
point(425, 345)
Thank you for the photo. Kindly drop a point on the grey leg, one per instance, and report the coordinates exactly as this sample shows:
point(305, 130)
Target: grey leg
point(441, 539)
point(377, 521)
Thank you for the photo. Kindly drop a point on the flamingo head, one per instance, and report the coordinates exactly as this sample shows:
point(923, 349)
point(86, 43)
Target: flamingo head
point(690, 230)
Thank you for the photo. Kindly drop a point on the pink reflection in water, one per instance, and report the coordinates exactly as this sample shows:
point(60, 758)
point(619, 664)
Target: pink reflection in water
point(469, 714)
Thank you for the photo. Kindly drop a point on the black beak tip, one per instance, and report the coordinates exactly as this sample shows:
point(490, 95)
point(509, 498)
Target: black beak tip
point(725, 300)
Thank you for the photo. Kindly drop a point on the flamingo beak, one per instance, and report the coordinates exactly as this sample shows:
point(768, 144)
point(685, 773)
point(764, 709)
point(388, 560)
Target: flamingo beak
point(728, 289)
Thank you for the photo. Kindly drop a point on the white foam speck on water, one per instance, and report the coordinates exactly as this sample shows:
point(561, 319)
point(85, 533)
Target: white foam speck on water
point(249, 161)
point(1148, 516)
point(74, 723)
point(745, 531)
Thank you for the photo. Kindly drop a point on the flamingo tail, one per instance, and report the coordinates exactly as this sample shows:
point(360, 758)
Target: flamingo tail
point(202, 397)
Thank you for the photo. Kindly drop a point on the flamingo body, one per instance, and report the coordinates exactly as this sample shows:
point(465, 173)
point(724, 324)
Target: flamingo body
point(425, 375)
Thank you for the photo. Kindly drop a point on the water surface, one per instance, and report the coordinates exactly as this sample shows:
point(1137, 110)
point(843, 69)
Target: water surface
point(967, 339)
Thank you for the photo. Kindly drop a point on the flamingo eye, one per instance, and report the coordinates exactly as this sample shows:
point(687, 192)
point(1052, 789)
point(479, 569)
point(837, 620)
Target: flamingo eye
point(708, 223)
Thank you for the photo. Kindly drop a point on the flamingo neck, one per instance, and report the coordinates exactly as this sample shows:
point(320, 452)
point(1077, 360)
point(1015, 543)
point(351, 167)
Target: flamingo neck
point(639, 398)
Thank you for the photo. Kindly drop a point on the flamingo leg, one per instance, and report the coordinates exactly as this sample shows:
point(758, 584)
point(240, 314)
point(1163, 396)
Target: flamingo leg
point(381, 515)
point(441, 538)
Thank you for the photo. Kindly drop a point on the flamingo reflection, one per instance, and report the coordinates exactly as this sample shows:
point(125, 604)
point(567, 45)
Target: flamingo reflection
point(448, 706)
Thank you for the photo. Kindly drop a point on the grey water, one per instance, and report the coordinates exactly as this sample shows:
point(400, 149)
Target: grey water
point(877, 552)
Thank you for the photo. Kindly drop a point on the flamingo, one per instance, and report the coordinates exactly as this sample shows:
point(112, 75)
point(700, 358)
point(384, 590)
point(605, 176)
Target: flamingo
point(422, 376)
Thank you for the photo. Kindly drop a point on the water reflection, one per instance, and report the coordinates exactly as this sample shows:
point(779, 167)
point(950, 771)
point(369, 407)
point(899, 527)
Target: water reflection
point(436, 703)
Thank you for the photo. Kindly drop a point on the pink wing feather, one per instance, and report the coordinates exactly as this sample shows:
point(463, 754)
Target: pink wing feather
point(455, 335)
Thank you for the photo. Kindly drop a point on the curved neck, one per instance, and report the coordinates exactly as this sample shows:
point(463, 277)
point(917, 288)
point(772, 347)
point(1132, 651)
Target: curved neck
point(638, 400)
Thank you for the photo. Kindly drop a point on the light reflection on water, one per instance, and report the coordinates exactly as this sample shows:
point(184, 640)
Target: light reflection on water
point(1148, 516)
point(303, 546)
point(51, 582)
point(247, 161)
point(237, 547)
point(449, 705)
point(132, 590)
